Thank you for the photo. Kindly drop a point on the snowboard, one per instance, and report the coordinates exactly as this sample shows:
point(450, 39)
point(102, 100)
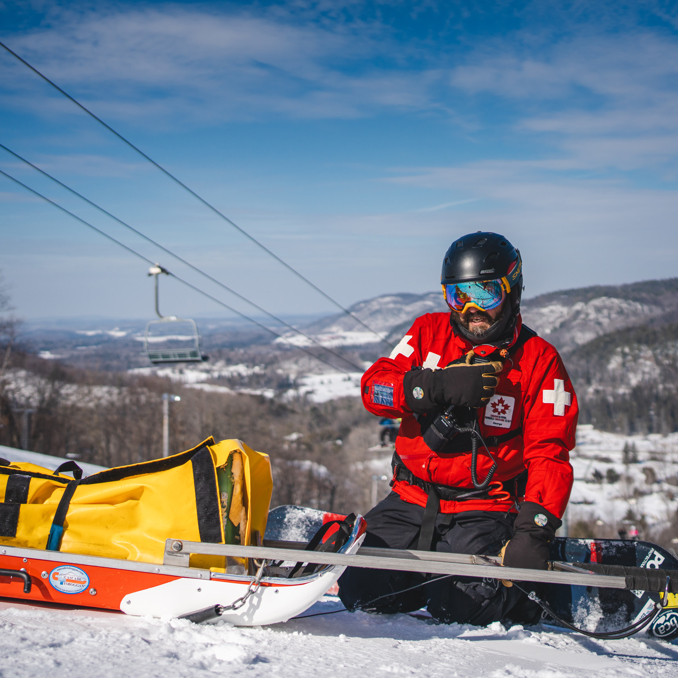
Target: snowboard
point(601, 609)
point(591, 608)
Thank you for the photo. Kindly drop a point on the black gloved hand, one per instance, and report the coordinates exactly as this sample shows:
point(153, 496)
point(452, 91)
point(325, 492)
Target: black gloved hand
point(460, 383)
point(534, 528)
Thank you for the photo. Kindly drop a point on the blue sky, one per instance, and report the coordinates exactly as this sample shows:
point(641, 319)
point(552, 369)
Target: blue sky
point(354, 139)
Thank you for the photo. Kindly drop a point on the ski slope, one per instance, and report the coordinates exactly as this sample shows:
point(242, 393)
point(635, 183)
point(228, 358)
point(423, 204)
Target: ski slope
point(76, 643)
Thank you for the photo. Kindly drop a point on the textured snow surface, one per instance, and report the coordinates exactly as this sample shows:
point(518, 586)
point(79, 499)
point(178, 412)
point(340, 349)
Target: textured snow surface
point(323, 387)
point(610, 502)
point(578, 323)
point(55, 643)
point(30, 390)
point(198, 372)
point(382, 314)
point(331, 339)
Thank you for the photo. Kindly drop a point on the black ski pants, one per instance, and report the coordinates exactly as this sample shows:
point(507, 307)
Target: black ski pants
point(394, 523)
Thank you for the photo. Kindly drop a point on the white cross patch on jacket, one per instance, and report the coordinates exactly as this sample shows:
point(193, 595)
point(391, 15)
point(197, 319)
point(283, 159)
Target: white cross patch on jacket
point(558, 397)
point(403, 348)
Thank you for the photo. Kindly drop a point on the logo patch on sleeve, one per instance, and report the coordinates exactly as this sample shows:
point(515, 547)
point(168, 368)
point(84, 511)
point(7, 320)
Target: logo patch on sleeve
point(382, 394)
point(499, 411)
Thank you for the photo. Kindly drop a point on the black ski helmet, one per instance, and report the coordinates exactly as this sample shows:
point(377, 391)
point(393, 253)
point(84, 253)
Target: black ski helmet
point(486, 256)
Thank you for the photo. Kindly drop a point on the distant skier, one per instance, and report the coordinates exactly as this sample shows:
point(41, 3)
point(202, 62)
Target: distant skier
point(389, 431)
point(481, 457)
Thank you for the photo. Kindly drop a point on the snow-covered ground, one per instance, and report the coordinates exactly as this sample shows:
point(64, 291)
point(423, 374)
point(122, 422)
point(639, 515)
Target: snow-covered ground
point(41, 641)
point(646, 488)
point(582, 321)
point(198, 372)
point(318, 388)
point(31, 389)
point(330, 339)
point(323, 387)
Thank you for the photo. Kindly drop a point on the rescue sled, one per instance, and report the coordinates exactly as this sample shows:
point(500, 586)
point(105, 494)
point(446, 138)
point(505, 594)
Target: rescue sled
point(172, 589)
point(154, 538)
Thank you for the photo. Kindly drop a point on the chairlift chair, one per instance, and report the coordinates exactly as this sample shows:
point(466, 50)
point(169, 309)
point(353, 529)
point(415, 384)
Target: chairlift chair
point(171, 339)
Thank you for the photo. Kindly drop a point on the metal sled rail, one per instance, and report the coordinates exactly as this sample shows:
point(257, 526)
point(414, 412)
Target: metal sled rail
point(177, 552)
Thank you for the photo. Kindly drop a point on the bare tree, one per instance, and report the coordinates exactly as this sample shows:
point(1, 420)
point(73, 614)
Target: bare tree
point(8, 326)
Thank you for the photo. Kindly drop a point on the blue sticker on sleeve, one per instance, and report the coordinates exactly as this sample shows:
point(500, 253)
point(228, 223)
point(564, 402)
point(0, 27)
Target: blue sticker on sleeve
point(382, 394)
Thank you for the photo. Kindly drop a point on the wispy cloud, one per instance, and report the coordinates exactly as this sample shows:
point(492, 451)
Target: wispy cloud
point(89, 165)
point(175, 62)
point(593, 101)
point(445, 205)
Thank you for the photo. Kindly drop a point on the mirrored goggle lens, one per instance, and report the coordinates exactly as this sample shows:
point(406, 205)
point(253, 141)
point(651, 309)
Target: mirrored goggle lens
point(485, 295)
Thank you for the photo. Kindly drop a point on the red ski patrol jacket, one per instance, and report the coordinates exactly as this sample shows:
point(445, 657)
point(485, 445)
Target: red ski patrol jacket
point(534, 394)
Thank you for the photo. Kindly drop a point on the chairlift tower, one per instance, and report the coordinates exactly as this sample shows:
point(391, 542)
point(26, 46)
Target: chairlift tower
point(166, 397)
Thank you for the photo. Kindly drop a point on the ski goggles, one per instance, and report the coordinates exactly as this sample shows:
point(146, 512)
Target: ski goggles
point(483, 295)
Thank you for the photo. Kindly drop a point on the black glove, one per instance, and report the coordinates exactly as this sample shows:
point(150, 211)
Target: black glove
point(460, 383)
point(534, 528)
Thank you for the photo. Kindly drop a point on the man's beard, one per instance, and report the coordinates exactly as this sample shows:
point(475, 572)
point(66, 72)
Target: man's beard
point(500, 329)
point(465, 321)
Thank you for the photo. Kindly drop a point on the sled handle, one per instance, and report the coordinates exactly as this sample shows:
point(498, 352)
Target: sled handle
point(21, 574)
point(70, 466)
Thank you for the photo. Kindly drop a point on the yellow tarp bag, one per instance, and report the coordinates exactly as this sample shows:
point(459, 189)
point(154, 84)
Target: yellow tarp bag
point(203, 494)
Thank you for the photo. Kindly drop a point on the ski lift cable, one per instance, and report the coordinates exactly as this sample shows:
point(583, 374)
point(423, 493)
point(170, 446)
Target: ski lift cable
point(176, 277)
point(211, 207)
point(176, 256)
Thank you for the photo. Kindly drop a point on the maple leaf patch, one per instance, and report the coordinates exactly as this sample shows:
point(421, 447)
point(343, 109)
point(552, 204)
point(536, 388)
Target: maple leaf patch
point(499, 411)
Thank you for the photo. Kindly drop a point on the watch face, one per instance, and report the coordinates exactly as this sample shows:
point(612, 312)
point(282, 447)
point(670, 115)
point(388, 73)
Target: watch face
point(541, 520)
point(418, 392)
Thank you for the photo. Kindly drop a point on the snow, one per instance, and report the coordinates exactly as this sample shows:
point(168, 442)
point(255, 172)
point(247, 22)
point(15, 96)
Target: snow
point(331, 340)
point(610, 502)
point(311, 467)
point(638, 364)
point(31, 390)
point(116, 332)
point(36, 641)
point(581, 322)
point(323, 387)
point(293, 437)
point(199, 372)
point(382, 314)
point(48, 355)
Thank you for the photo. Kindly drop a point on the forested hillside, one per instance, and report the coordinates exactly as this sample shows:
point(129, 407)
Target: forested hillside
point(620, 345)
point(115, 419)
